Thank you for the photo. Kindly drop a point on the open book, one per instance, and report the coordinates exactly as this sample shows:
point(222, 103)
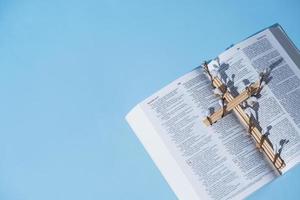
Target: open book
point(222, 161)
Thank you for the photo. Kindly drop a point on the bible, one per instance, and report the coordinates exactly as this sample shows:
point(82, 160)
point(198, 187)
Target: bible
point(229, 126)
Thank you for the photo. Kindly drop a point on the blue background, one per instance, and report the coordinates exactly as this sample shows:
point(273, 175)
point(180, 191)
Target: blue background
point(71, 70)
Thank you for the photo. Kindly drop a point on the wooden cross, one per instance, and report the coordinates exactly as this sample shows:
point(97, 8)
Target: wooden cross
point(234, 103)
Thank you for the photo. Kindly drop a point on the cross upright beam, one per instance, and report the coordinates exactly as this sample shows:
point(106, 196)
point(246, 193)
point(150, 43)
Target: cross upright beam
point(262, 142)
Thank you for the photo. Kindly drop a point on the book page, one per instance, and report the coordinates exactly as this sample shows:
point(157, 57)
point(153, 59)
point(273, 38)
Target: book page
point(160, 154)
point(277, 110)
point(219, 162)
point(222, 161)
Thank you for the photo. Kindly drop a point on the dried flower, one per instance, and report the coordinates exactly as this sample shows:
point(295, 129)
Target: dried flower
point(221, 102)
point(244, 104)
point(207, 113)
point(226, 80)
point(252, 100)
point(246, 83)
point(216, 67)
point(248, 112)
point(266, 71)
point(217, 92)
point(275, 149)
point(214, 72)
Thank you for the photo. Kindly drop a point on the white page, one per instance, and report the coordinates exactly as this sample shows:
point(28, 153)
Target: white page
point(160, 154)
point(220, 162)
point(278, 108)
point(174, 115)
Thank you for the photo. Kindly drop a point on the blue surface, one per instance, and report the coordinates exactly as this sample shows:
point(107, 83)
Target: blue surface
point(71, 70)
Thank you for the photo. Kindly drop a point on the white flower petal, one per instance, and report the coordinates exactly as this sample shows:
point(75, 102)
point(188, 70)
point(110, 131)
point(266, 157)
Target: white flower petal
point(217, 91)
point(214, 73)
point(251, 101)
point(263, 131)
point(226, 80)
point(215, 66)
point(220, 102)
point(246, 84)
point(248, 112)
point(207, 113)
point(275, 148)
point(244, 104)
point(266, 70)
